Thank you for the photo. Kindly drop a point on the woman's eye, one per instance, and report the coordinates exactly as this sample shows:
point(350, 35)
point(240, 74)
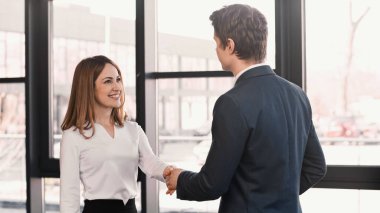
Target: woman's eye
point(108, 82)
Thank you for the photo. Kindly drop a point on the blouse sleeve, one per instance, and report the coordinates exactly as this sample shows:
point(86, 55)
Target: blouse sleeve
point(149, 163)
point(69, 172)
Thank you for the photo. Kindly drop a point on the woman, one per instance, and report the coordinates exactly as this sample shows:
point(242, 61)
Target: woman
point(99, 147)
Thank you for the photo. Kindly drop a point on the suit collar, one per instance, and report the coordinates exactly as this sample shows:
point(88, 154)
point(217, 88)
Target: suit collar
point(255, 72)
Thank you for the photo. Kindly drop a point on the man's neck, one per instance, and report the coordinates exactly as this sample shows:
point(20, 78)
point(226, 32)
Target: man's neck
point(246, 69)
point(241, 65)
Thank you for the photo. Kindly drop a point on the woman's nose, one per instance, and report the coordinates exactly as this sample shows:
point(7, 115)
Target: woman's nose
point(117, 86)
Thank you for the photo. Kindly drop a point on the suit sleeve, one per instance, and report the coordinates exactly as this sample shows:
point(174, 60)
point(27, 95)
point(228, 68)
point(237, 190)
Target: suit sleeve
point(313, 165)
point(229, 135)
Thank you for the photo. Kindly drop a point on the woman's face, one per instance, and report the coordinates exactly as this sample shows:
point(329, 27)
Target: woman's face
point(108, 88)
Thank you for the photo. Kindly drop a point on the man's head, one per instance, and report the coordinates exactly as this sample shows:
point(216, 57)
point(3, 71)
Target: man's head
point(246, 27)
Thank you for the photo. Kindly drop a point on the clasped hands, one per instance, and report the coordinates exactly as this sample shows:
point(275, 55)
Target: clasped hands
point(171, 174)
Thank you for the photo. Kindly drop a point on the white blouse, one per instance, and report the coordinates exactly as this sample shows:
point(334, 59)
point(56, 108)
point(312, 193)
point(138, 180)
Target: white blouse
point(106, 166)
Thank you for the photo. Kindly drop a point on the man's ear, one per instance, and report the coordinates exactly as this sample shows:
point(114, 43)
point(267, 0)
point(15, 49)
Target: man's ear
point(230, 45)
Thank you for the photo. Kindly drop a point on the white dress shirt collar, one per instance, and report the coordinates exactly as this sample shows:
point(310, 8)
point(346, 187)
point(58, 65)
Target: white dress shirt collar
point(248, 68)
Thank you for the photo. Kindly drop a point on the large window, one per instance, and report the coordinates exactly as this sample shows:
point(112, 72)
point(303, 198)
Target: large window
point(184, 103)
point(12, 107)
point(185, 35)
point(185, 116)
point(342, 83)
point(83, 29)
point(12, 39)
point(342, 79)
point(175, 49)
point(12, 148)
point(340, 200)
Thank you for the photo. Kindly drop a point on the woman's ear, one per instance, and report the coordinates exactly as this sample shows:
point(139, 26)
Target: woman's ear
point(230, 46)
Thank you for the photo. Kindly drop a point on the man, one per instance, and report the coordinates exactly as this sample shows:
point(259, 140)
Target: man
point(264, 151)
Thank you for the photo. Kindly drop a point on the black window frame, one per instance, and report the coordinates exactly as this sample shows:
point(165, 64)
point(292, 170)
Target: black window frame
point(38, 91)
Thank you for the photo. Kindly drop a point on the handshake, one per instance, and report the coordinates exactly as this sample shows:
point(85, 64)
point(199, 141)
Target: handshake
point(171, 174)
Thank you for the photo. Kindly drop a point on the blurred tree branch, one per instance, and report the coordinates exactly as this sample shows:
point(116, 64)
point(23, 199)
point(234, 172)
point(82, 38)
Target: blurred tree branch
point(354, 24)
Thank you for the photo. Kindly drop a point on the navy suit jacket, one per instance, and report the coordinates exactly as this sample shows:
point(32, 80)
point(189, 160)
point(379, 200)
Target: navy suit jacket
point(264, 151)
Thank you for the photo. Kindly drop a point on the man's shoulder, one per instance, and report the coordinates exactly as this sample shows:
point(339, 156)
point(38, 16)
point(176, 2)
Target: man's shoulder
point(288, 83)
point(227, 101)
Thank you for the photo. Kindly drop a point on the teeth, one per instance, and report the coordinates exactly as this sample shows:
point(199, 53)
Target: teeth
point(114, 96)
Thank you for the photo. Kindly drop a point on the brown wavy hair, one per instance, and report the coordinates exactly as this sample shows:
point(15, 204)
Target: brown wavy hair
point(80, 112)
point(246, 26)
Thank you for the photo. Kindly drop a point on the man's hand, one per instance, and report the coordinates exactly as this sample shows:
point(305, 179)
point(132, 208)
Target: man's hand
point(167, 171)
point(171, 180)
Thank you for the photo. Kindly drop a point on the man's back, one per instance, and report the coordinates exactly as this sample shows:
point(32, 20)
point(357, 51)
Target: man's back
point(261, 130)
point(264, 150)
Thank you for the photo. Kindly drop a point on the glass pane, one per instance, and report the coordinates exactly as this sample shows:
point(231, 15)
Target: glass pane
point(12, 148)
point(185, 116)
point(343, 75)
point(340, 200)
point(185, 40)
point(52, 195)
point(12, 39)
point(86, 28)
